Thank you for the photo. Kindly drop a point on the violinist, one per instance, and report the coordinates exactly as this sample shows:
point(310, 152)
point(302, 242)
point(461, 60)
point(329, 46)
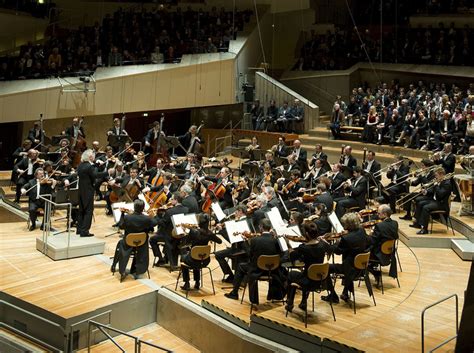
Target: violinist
point(349, 246)
point(25, 170)
point(290, 188)
point(196, 237)
point(140, 163)
point(96, 149)
point(422, 179)
point(323, 225)
point(323, 197)
point(75, 130)
point(237, 252)
point(104, 163)
point(20, 153)
point(266, 201)
point(267, 177)
point(164, 234)
point(128, 154)
point(311, 253)
point(265, 244)
point(385, 230)
point(337, 179)
point(133, 223)
point(357, 193)
point(242, 191)
point(189, 198)
point(37, 186)
point(64, 164)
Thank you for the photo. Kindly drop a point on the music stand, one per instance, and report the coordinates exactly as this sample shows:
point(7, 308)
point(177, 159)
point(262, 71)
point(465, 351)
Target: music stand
point(67, 196)
point(118, 141)
point(258, 155)
point(250, 169)
point(55, 139)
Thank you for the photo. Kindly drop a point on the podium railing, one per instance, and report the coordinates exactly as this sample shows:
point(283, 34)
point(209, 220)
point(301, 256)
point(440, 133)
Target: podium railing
point(48, 207)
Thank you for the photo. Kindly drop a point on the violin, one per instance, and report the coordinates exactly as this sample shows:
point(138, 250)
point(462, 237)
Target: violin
point(247, 235)
point(252, 206)
point(290, 185)
point(370, 224)
point(367, 212)
point(328, 236)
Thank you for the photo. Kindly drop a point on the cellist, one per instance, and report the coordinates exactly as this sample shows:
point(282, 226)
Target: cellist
point(223, 179)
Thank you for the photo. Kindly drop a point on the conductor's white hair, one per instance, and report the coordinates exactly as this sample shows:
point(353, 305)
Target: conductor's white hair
point(86, 155)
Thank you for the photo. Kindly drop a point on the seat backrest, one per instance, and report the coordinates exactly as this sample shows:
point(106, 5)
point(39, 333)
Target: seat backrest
point(268, 262)
point(135, 239)
point(200, 252)
point(318, 272)
point(361, 261)
point(388, 246)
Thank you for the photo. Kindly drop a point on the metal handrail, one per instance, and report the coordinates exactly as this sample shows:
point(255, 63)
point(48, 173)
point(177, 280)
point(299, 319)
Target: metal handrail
point(47, 220)
point(423, 323)
point(102, 328)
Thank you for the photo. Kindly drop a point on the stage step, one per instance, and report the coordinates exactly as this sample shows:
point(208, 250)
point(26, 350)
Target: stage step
point(152, 333)
point(464, 248)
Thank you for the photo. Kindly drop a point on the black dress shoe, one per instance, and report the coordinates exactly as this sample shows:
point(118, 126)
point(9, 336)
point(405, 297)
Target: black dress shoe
point(185, 286)
point(344, 297)
point(159, 263)
point(333, 298)
point(302, 306)
point(32, 228)
point(289, 307)
point(112, 269)
point(422, 231)
point(197, 285)
point(87, 235)
point(122, 276)
point(406, 218)
point(414, 225)
point(232, 295)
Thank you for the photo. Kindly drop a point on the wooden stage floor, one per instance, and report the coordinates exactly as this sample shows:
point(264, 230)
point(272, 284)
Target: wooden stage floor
point(72, 287)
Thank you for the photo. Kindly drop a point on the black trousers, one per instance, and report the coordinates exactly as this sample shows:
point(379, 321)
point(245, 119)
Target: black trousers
point(301, 279)
point(20, 182)
point(423, 210)
point(33, 209)
point(343, 203)
point(407, 207)
point(86, 210)
point(171, 247)
point(195, 266)
point(240, 273)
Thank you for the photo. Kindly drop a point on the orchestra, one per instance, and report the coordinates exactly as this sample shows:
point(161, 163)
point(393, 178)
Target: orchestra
point(306, 193)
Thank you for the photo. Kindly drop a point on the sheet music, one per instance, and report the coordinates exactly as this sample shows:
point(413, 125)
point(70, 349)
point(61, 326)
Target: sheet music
point(236, 227)
point(218, 211)
point(142, 197)
point(183, 218)
point(116, 209)
point(284, 230)
point(275, 218)
point(335, 222)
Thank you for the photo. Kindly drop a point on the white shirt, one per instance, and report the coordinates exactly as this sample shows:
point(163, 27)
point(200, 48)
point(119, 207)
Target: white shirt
point(445, 125)
point(369, 165)
point(76, 131)
point(30, 167)
point(346, 160)
point(297, 152)
point(38, 185)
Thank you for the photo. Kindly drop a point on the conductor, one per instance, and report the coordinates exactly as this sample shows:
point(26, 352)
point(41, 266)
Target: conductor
point(87, 174)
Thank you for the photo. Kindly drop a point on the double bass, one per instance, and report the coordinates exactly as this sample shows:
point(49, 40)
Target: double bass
point(159, 149)
point(78, 145)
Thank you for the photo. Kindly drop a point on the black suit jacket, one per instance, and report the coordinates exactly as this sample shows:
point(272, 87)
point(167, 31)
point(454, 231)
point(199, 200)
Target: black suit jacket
point(349, 246)
point(308, 254)
point(88, 174)
point(23, 165)
point(70, 131)
point(32, 135)
point(374, 168)
point(282, 151)
point(165, 224)
point(191, 204)
point(351, 163)
point(326, 199)
point(336, 181)
point(33, 186)
point(442, 192)
point(261, 245)
point(448, 163)
point(359, 191)
point(383, 231)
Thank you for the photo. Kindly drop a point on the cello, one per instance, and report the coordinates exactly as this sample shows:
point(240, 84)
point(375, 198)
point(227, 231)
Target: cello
point(159, 149)
point(214, 192)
